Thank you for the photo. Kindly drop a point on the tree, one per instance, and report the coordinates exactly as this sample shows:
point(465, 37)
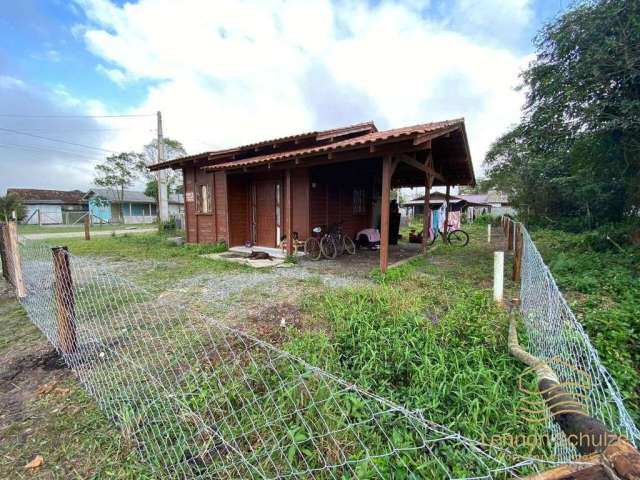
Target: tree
point(576, 151)
point(11, 203)
point(172, 149)
point(151, 189)
point(118, 172)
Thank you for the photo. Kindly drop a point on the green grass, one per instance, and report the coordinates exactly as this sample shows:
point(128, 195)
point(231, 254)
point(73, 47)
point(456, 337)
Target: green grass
point(426, 335)
point(167, 262)
point(80, 227)
point(68, 431)
point(602, 285)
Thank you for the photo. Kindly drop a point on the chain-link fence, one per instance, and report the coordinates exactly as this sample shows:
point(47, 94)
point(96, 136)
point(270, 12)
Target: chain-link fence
point(201, 400)
point(557, 337)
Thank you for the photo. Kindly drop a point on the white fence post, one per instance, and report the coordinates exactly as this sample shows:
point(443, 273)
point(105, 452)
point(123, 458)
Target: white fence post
point(498, 276)
point(489, 233)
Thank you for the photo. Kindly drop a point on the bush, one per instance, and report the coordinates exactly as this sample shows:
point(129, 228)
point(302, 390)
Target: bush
point(168, 226)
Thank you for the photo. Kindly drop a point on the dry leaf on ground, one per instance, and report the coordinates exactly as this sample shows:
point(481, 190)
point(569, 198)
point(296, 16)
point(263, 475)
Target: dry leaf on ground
point(35, 463)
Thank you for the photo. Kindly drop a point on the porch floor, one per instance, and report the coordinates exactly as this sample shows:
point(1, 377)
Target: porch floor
point(363, 261)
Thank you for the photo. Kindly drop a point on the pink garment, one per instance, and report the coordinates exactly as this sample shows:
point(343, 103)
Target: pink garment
point(454, 220)
point(372, 234)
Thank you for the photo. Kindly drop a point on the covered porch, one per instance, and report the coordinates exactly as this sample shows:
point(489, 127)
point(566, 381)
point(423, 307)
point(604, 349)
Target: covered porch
point(287, 194)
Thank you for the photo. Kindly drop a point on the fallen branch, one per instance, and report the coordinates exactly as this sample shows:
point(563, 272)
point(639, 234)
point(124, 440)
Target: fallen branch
point(588, 434)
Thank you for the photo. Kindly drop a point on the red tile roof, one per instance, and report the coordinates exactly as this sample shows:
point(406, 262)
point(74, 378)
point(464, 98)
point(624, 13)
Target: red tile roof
point(363, 127)
point(366, 139)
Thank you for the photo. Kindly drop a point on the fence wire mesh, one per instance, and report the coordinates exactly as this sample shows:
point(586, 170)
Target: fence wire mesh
point(201, 400)
point(556, 336)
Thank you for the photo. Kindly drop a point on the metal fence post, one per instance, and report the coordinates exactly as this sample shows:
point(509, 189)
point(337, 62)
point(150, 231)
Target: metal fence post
point(65, 301)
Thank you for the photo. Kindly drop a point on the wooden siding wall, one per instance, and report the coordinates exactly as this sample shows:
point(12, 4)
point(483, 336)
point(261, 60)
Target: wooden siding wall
point(331, 200)
point(211, 227)
point(300, 186)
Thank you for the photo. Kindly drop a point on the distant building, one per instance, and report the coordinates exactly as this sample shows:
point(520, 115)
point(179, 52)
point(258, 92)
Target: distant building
point(55, 207)
point(106, 205)
point(50, 207)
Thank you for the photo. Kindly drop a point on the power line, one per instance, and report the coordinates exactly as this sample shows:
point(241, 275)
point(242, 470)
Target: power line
point(48, 130)
point(12, 115)
point(55, 140)
point(32, 147)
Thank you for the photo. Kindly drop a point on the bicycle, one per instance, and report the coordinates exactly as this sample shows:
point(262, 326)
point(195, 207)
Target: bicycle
point(455, 237)
point(329, 244)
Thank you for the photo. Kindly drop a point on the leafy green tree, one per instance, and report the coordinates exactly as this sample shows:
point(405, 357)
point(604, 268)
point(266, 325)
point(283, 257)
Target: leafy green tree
point(576, 151)
point(118, 172)
point(11, 203)
point(172, 149)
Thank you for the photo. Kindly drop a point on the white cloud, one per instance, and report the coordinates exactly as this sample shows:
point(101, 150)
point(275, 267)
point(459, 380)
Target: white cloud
point(116, 76)
point(229, 72)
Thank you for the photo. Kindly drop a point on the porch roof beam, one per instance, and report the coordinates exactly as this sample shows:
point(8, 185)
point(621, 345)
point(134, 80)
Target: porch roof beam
point(420, 166)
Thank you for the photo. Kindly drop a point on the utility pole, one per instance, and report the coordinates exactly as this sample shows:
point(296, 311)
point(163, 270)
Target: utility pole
point(163, 193)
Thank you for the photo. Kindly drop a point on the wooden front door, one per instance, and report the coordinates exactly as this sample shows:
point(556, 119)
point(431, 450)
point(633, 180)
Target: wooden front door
point(266, 213)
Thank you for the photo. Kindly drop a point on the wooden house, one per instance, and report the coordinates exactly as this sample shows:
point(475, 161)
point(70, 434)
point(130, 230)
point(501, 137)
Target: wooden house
point(267, 190)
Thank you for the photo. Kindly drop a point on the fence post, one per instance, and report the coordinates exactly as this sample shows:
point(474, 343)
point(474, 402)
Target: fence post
point(517, 253)
point(510, 224)
point(3, 254)
point(489, 233)
point(498, 276)
point(65, 302)
point(12, 257)
point(87, 227)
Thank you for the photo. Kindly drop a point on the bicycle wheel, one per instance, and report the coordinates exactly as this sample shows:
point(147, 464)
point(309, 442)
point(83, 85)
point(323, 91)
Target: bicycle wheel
point(431, 241)
point(312, 248)
point(458, 238)
point(339, 243)
point(348, 245)
point(328, 247)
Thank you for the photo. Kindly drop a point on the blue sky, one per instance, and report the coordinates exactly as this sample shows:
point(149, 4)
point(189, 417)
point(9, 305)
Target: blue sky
point(227, 72)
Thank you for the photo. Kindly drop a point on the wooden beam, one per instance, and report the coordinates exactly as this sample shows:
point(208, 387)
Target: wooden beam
point(424, 140)
point(384, 212)
point(288, 210)
point(423, 167)
point(426, 215)
point(447, 198)
point(427, 137)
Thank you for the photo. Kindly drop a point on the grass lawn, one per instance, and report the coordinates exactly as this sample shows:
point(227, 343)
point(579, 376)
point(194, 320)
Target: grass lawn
point(80, 227)
point(426, 335)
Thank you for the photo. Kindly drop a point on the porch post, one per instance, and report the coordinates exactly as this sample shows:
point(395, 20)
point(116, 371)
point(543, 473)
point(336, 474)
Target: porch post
point(446, 214)
point(426, 220)
point(384, 213)
point(288, 211)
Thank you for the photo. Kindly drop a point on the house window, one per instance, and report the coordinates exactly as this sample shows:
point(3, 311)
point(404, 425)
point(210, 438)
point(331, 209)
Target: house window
point(359, 201)
point(203, 199)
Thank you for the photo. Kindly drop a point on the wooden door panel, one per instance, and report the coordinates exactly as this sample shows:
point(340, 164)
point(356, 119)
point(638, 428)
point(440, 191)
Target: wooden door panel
point(266, 213)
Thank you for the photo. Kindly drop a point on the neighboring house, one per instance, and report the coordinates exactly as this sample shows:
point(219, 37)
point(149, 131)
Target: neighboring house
point(134, 207)
point(497, 201)
point(464, 203)
point(269, 190)
point(51, 207)
point(176, 205)
point(106, 205)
